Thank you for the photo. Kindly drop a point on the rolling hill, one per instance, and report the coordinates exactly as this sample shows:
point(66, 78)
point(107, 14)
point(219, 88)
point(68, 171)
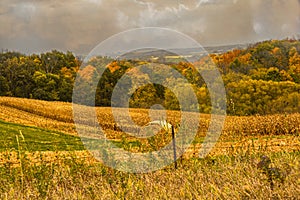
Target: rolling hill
point(48, 125)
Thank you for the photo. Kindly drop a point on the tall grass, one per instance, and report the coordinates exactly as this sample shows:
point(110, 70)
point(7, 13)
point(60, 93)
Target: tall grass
point(221, 177)
point(235, 175)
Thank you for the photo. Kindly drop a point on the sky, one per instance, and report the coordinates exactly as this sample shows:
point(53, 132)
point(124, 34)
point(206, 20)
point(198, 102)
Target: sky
point(35, 26)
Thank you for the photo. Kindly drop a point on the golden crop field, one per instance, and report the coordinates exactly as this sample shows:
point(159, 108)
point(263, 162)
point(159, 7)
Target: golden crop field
point(230, 171)
point(275, 131)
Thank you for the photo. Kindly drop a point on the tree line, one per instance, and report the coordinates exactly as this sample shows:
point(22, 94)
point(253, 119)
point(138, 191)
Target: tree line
point(48, 76)
point(261, 79)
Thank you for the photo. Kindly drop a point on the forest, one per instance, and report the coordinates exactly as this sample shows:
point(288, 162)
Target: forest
point(262, 79)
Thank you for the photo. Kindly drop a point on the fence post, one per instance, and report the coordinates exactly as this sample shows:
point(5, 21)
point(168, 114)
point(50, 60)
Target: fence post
point(174, 147)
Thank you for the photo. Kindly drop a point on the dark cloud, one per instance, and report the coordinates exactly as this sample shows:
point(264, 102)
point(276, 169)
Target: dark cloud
point(79, 25)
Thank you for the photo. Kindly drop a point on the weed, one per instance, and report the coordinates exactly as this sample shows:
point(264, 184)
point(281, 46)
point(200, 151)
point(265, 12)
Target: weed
point(274, 174)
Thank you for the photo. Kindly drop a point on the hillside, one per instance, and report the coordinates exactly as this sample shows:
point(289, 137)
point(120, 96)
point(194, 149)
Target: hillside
point(40, 161)
point(262, 79)
point(280, 131)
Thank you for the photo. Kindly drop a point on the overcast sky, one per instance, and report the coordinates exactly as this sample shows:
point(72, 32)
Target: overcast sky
point(79, 25)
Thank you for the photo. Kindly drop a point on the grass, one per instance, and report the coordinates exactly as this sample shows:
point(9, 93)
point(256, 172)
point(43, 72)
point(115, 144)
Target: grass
point(36, 139)
point(220, 177)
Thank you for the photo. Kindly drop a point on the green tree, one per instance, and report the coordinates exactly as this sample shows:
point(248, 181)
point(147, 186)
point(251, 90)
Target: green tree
point(46, 86)
point(4, 88)
point(145, 97)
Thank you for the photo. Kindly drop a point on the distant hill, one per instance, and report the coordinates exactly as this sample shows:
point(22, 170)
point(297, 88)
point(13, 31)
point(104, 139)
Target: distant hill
point(146, 54)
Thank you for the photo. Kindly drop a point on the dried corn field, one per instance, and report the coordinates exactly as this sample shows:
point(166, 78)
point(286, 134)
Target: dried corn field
point(277, 132)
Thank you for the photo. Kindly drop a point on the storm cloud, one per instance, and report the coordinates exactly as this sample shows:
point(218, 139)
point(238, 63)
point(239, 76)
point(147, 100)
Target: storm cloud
point(79, 25)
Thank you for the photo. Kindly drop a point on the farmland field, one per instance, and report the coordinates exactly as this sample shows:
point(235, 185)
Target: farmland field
point(42, 157)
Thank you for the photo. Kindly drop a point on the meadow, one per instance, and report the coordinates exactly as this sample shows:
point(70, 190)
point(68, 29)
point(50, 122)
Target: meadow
point(42, 157)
